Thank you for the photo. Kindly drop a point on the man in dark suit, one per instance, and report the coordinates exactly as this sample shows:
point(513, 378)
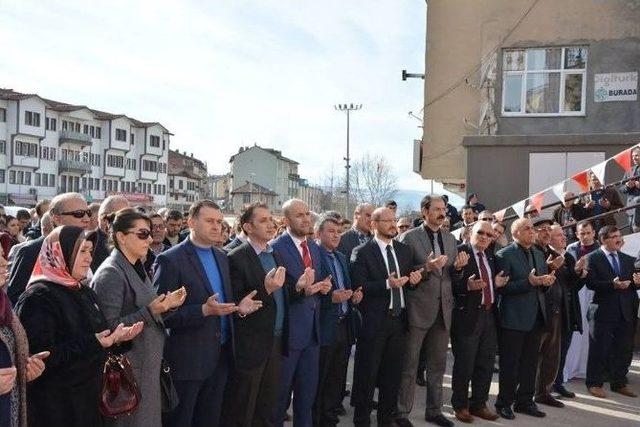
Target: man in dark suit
point(360, 232)
point(474, 339)
point(199, 345)
point(65, 209)
point(632, 188)
point(102, 249)
point(261, 338)
point(305, 278)
point(381, 267)
point(522, 318)
point(337, 329)
point(612, 314)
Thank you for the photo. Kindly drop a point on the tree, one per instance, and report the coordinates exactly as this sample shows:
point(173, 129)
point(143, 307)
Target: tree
point(372, 180)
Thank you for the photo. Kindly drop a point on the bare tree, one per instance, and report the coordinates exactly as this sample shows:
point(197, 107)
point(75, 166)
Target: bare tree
point(373, 180)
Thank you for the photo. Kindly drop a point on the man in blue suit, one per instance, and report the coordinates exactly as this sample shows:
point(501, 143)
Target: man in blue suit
point(337, 331)
point(199, 347)
point(305, 278)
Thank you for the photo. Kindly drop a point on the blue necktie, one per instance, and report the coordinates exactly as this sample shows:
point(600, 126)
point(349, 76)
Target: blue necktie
point(616, 264)
point(336, 271)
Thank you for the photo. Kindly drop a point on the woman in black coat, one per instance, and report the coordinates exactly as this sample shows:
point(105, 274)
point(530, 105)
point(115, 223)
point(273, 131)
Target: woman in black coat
point(61, 314)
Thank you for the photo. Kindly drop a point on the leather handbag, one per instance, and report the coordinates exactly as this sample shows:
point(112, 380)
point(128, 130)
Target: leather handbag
point(120, 394)
point(169, 395)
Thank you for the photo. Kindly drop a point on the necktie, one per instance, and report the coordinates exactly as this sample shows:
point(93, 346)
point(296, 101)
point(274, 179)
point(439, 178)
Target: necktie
point(484, 274)
point(437, 250)
point(616, 264)
point(306, 256)
point(396, 306)
point(337, 275)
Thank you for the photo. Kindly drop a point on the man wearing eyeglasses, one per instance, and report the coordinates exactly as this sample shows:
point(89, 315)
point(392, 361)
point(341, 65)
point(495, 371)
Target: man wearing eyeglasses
point(65, 209)
point(611, 314)
point(404, 224)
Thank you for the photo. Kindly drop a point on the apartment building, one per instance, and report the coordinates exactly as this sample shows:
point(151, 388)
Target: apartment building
point(187, 180)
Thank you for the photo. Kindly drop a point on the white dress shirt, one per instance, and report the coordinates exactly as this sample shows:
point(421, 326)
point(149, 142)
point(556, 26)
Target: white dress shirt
point(383, 248)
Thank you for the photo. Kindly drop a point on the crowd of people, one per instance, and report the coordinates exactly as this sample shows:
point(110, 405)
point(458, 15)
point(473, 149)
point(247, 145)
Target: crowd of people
point(260, 317)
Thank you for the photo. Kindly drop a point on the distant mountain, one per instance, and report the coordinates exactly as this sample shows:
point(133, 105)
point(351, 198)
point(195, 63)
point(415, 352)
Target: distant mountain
point(410, 199)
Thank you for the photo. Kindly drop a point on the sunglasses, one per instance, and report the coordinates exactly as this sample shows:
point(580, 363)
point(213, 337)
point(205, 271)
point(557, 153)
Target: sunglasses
point(142, 234)
point(80, 213)
point(484, 233)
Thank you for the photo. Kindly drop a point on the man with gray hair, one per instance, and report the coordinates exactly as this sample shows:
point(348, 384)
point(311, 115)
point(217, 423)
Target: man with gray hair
point(109, 205)
point(65, 209)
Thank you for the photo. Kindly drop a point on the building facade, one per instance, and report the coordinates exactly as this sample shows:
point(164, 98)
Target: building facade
point(520, 95)
point(219, 186)
point(187, 180)
point(49, 147)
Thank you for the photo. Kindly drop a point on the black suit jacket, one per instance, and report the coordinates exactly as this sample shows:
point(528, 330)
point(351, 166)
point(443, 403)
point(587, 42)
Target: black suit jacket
point(348, 242)
point(101, 251)
point(469, 303)
point(21, 268)
point(254, 333)
point(570, 283)
point(192, 348)
point(610, 304)
point(369, 270)
point(232, 245)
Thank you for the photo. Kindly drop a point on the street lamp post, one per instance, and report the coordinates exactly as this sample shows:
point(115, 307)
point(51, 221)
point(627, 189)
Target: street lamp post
point(347, 108)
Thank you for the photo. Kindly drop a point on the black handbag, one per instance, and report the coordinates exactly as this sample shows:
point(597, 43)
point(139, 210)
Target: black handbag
point(169, 398)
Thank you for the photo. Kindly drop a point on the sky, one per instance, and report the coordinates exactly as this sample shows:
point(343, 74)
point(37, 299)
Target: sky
point(224, 74)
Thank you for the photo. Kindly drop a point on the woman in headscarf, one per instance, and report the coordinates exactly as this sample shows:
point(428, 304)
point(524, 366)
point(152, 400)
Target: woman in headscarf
point(126, 295)
point(61, 315)
point(16, 366)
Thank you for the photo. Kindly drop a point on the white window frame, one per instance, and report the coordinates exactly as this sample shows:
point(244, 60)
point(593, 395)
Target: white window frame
point(563, 74)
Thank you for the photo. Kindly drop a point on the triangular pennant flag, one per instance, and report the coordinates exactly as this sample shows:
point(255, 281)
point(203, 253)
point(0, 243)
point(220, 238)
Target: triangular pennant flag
point(558, 190)
point(537, 201)
point(624, 159)
point(457, 232)
point(519, 208)
point(598, 170)
point(582, 179)
point(500, 215)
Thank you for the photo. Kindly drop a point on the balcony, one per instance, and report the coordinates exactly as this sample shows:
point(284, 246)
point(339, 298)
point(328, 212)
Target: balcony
point(75, 137)
point(74, 166)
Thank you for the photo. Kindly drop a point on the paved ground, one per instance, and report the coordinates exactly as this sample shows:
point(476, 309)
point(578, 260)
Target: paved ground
point(584, 410)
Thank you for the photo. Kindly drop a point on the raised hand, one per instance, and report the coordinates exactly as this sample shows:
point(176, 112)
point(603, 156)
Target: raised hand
point(326, 285)
point(341, 295)
point(474, 284)
point(176, 298)
point(7, 379)
point(35, 365)
point(274, 279)
point(581, 264)
point(436, 263)
point(397, 282)
point(500, 280)
point(214, 308)
point(306, 279)
point(357, 296)
point(462, 259)
point(555, 263)
point(248, 305)
point(535, 280)
point(636, 279)
point(415, 276)
point(621, 284)
point(548, 279)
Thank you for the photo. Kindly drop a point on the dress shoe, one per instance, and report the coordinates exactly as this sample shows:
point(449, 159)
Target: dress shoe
point(597, 392)
point(562, 391)
point(464, 416)
point(440, 420)
point(403, 422)
point(484, 413)
point(549, 400)
point(625, 391)
point(506, 413)
point(420, 379)
point(531, 410)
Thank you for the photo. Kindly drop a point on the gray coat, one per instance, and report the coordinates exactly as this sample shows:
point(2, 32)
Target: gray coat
point(424, 300)
point(124, 298)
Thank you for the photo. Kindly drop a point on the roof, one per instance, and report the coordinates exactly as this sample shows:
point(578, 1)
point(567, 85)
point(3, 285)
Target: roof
point(11, 95)
point(253, 188)
point(272, 151)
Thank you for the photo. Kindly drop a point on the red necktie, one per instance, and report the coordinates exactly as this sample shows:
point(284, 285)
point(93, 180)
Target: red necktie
point(306, 256)
point(486, 291)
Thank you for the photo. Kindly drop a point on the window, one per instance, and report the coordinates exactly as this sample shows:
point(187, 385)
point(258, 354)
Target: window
point(77, 127)
point(180, 184)
point(37, 184)
point(26, 149)
point(246, 198)
point(12, 177)
point(86, 129)
point(3, 115)
point(52, 180)
point(131, 138)
point(149, 166)
point(98, 132)
point(2, 173)
point(121, 135)
point(155, 141)
point(50, 123)
point(3, 147)
point(115, 161)
point(544, 81)
point(92, 131)
point(64, 125)
point(52, 153)
point(45, 181)
point(31, 118)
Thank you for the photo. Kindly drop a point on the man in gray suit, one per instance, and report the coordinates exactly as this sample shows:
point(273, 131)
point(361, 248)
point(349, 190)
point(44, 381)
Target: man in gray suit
point(429, 306)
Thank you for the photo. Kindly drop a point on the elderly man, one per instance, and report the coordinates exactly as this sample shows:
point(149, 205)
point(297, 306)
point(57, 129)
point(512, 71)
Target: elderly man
point(360, 232)
point(65, 209)
point(429, 308)
point(632, 188)
point(404, 224)
point(522, 318)
point(569, 212)
point(102, 250)
point(473, 330)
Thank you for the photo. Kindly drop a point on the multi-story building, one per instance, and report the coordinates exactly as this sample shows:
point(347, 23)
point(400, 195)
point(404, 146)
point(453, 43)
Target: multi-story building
point(49, 147)
point(187, 180)
point(522, 94)
point(219, 187)
point(312, 195)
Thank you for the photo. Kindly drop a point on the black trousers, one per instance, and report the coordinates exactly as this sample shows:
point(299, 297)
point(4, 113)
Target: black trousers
point(330, 380)
point(378, 361)
point(610, 350)
point(565, 343)
point(251, 395)
point(201, 401)
point(518, 363)
point(474, 356)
